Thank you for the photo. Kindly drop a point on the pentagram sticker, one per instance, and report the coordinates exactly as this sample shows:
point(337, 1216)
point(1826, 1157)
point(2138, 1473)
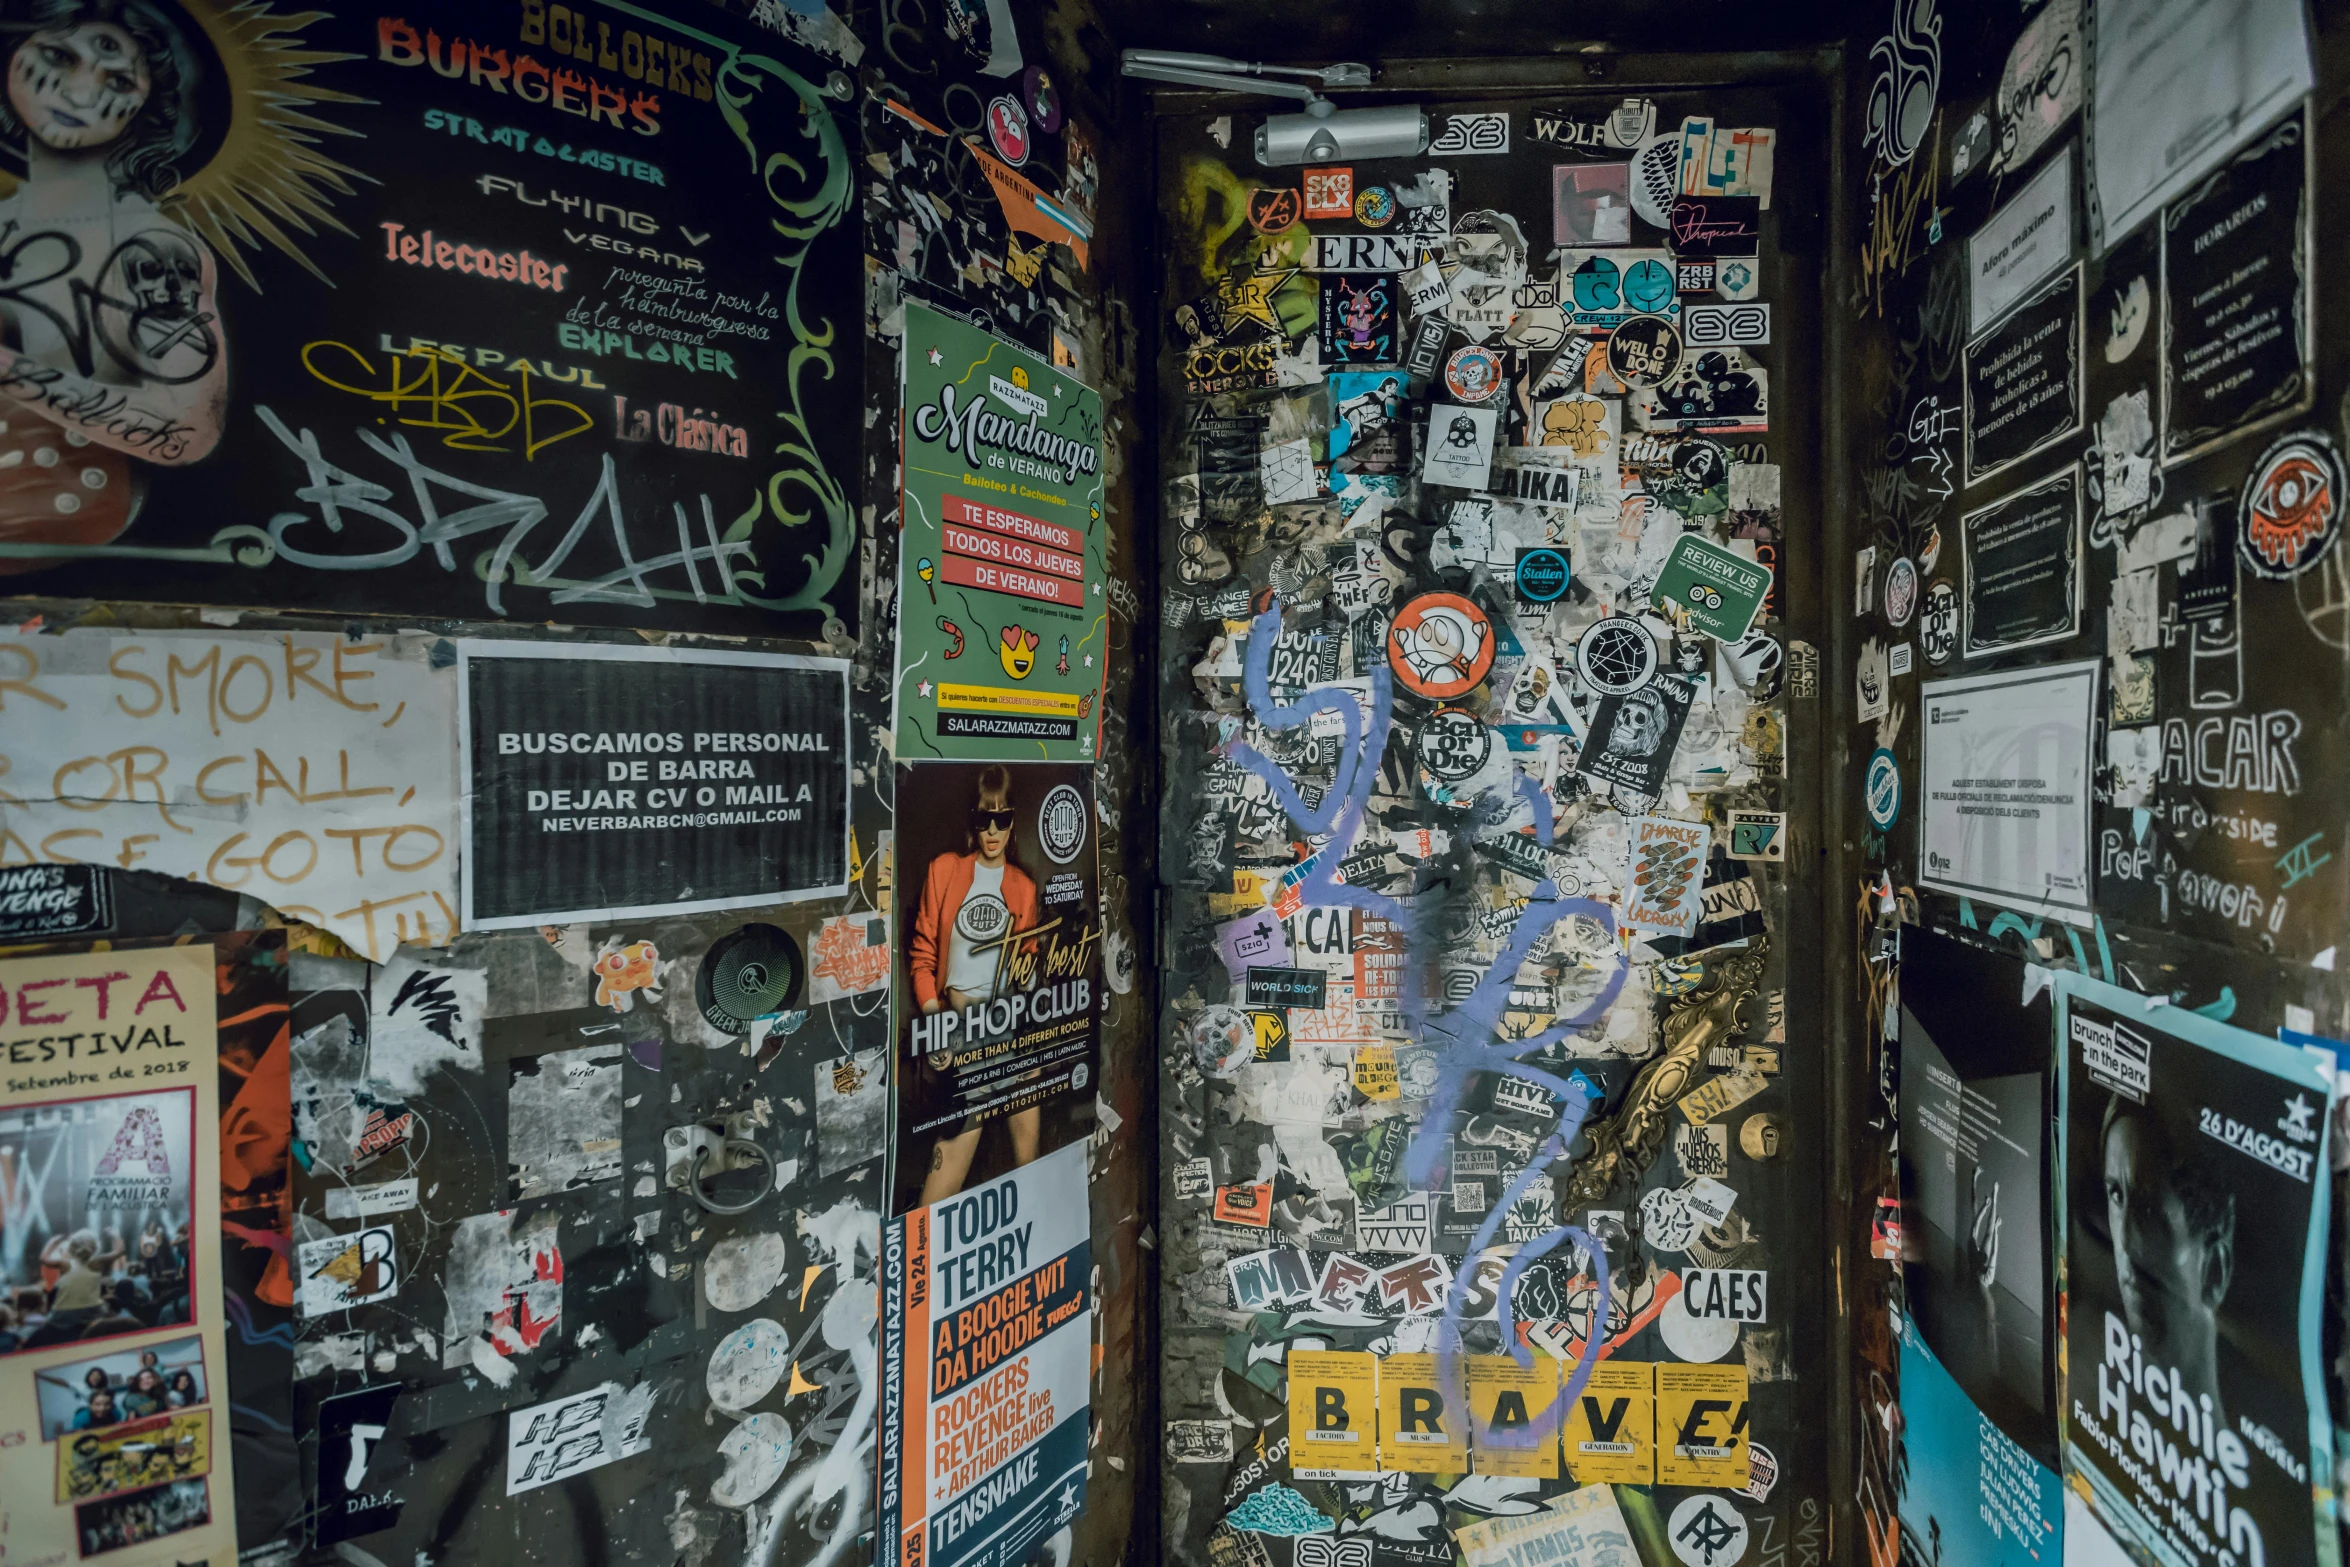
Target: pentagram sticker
point(1938, 625)
point(1616, 656)
point(2291, 512)
point(1707, 1531)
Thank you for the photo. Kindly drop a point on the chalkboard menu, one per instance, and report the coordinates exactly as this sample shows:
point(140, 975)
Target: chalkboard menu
point(2021, 559)
point(2023, 380)
point(2235, 297)
point(523, 309)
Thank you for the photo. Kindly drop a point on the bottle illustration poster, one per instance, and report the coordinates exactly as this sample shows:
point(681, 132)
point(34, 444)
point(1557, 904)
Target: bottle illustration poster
point(1000, 569)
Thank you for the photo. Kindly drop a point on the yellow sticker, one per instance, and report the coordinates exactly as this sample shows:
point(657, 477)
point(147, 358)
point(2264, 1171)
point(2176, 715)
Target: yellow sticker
point(1611, 1427)
point(1513, 1422)
point(1711, 1097)
point(1333, 1413)
point(1423, 1415)
point(1375, 1073)
point(1701, 1425)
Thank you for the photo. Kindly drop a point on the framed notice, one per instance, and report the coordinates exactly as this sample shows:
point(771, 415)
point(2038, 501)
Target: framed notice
point(2191, 1219)
point(2006, 787)
point(1003, 554)
point(2021, 244)
point(2236, 270)
point(986, 1349)
point(2020, 568)
point(602, 781)
point(2022, 383)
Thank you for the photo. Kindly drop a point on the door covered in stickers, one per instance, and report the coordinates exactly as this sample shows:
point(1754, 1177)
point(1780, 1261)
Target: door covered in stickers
point(1493, 1220)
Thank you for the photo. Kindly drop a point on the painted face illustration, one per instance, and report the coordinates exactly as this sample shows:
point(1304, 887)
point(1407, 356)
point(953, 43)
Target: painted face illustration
point(1640, 725)
point(78, 86)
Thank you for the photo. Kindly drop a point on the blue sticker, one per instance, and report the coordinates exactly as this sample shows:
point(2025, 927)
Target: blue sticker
point(1543, 574)
point(1883, 788)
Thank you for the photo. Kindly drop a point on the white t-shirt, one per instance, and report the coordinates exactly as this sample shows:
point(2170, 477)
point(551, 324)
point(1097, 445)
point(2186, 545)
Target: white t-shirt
point(984, 918)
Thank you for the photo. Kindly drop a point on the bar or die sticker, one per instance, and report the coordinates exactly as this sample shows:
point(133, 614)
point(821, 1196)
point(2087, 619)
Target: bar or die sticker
point(1758, 835)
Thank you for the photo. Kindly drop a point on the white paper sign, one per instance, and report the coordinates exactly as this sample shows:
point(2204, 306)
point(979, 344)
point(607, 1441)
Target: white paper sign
point(316, 773)
point(1460, 446)
point(2181, 85)
point(2022, 244)
point(2006, 809)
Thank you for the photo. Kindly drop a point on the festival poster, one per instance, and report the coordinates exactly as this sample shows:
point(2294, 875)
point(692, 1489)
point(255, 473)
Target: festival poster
point(999, 976)
point(986, 1348)
point(110, 1257)
point(2193, 1211)
point(1001, 618)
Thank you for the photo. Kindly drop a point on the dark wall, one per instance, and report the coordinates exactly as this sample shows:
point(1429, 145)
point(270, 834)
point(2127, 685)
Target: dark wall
point(546, 1252)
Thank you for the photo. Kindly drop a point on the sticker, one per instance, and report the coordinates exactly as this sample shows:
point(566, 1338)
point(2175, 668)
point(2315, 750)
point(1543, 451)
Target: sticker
point(1737, 280)
point(1656, 176)
point(1361, 253)
point(1881, 787)
point(1460, 446)
point(1938, 625)
point(1719, 390)
point(1611, 1428)
point(1726, 1294)
point(1721, 593)
point(1608, 287)
point(1693, 277)
point(1441, 646)
point(1713, 228)
point(351, 1429)
point(55, 900)
point(1543, 574)
point(1667, 1221)
point(1246, 1205)
point(1007, 129)
point(1898, 659)
point(1375, 206)
point(1423, 1414)
point(1374, 1073)
point(1705, 1530)
point(1869, 681)
point(1401, 1226)
point(1473, 374)
point(338, 1272)
point(747, 1364)
point(1333, 1412)
point(1716, 1095)
point(132, 1455)
point(1644, 351)
point(1633, 737)
point(1591, 204)
point(1452, 743)
point(1758, 835)
point(2291, 510)
point(1900, 597)
point(571, 1436)
point(1762, 1469)
point(1271, 211)
point(1330, 193)
point(1281, 988)
point(755, 1454)
point(367, 1202)
point(1724, 326)
point(1222, 1042)
point(1663, 876)
point(1194, 1179)
point(1044, 99)
point(1701, 1424)
point(1199, 1441)
point(1480, 133)
point(1616, 656)
point(1269, 1032)
point(1359, 313)
point(748, 973)
point(1512, 1430)
point(1691, 1340)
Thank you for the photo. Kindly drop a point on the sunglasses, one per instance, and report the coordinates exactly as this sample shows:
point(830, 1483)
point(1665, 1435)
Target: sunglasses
point(991, 821)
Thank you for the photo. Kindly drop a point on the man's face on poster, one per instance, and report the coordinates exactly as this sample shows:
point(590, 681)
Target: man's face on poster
point(2170, 1272)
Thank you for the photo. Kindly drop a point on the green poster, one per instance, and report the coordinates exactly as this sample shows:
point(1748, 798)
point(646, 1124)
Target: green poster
point(1001, 619)
point(1721, 592)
